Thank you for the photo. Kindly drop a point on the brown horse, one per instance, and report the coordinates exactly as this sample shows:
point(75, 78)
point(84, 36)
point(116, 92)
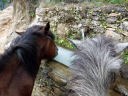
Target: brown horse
point(20, 62)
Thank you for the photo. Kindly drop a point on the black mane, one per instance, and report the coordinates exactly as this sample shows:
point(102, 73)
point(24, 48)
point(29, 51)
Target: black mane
point(26, 49)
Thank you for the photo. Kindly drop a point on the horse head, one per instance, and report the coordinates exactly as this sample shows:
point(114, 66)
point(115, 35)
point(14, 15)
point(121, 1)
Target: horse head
point(45, 40)
point(46, 43)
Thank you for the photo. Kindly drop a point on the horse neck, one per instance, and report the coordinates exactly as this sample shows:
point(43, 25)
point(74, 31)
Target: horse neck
point(14, 79)
point(9, 69)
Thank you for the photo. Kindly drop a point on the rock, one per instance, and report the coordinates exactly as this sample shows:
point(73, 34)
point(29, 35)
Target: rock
point(114, 26)
point(60, 69)
point(5, 19)
point(58, 79)
point(58, 92)
point(96, 13)
point(98, 29)
point(124, 26)
point(110, 8)
point(111, 32)
point(111, 20)
point(124, 71)
point(124, 33)
point(51, 82)
point(61, 30)
point(114, 14)
point(37, 91)
point(122, 90)
point(39, 18)
point(96, 18)
point(10, 38)
point(5, 26)
point(95, 23)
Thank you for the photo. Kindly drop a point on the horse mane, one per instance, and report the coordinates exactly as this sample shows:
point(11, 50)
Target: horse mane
point(95, 60)
point(25, 47)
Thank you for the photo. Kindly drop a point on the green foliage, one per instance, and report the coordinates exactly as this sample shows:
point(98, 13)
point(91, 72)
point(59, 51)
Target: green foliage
point(116, 1)
point(4, 3)
point(32, 14)
point(125, 57)
point(64, 42)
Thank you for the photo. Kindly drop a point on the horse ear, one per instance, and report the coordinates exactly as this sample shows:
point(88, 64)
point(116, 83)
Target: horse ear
point(74, 42)
point(47, 27)
point(20, 33)
point(121, 47)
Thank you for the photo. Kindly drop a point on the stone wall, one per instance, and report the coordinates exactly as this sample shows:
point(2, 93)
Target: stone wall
point(70, 19)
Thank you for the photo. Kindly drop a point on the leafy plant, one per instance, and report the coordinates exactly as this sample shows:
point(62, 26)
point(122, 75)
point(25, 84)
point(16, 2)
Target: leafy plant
point(125, 57)
point(64, 42)
point(116, 1)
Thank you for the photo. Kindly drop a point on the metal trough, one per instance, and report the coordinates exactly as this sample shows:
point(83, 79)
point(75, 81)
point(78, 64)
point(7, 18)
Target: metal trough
point(64, 56)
